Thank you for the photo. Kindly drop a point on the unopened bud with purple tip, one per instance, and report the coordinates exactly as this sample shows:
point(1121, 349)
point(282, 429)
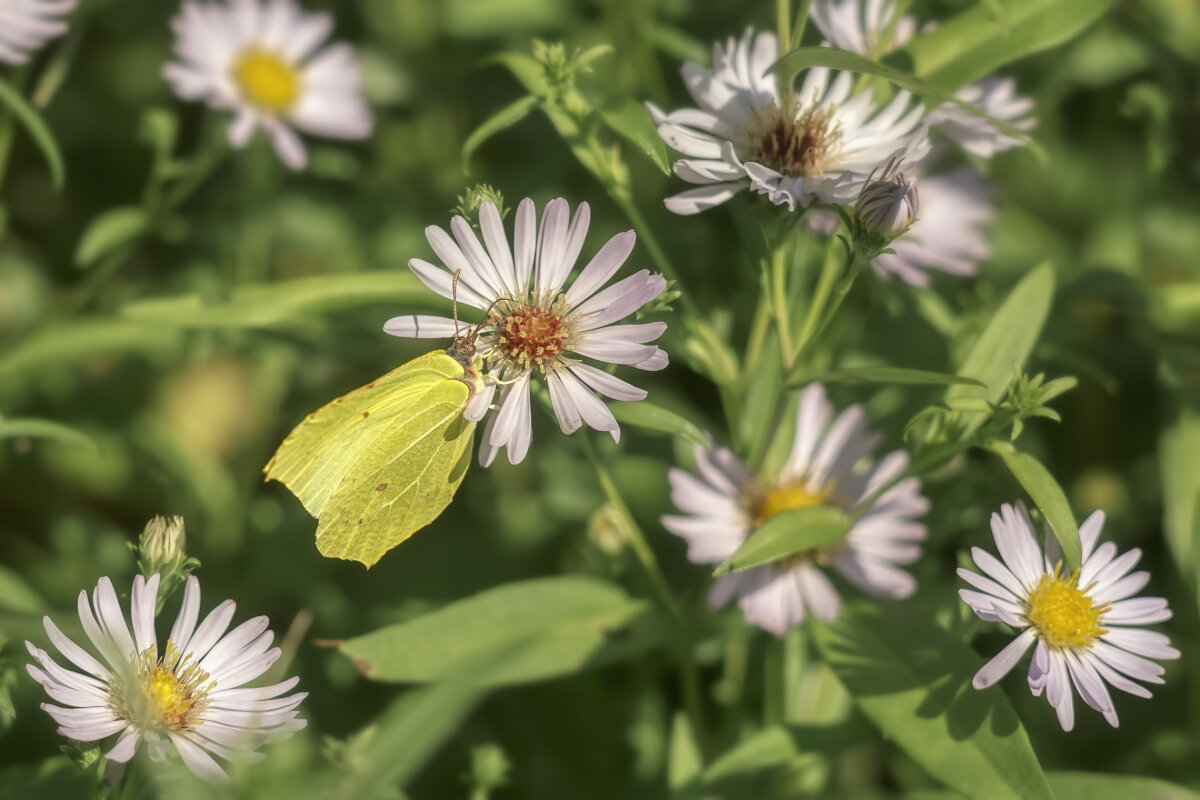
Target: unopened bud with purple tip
point(886, 205)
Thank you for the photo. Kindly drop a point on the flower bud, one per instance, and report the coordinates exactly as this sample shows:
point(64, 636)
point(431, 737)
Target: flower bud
point(162, 550)
point(163, 542)
point(888, 205)
point(476, 196)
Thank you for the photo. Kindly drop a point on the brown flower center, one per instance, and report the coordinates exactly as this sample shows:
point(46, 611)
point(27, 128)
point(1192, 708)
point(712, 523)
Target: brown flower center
point(532, 335)
point(795, 144)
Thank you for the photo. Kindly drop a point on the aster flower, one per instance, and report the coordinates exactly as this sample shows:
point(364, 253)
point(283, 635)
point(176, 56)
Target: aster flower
point(536, 326)
point(261, 61)
point(186, 697)
point(996, 96)
point(26, 25)
point(819, 143)
point(949, 235)
point(830, 464)
point(1083, 622)
point(870, 29)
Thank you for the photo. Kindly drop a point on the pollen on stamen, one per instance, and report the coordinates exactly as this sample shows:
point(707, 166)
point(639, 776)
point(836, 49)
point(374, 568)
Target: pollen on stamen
point(532, 336)
point(163, 694)
point(1063, 614)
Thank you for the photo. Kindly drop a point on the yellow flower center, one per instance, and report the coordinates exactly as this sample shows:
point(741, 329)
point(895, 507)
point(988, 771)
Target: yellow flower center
point(266, 80)
point(164, 695)
point(1063, 614)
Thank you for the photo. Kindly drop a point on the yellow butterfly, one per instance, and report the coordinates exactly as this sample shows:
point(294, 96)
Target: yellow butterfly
point(378, 464)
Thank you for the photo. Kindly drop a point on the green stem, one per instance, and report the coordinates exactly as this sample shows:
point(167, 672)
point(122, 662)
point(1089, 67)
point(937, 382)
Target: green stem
point(801, 21)
point(8, 129)
point(816, 308)
point(828, 300)
point(689, 676)
point(780, 258)
point(758, 335)
point(783, 25)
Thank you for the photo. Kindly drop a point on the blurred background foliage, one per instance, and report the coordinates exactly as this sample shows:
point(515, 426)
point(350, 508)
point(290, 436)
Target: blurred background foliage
point(182, 308)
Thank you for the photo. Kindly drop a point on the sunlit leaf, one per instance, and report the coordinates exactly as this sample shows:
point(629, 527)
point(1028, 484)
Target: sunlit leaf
point(787, 533)
point(767, 748)
point(1048, 495)
point(656, 419)
point(991, 34)
point(1005, 344)
point(684, 763)
point(564, 624)
point(895, 375)
point(913, 681)
point(1106, 786)
point(630, 120)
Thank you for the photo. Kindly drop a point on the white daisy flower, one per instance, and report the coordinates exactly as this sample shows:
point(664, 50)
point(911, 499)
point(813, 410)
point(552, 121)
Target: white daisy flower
point(261, 61)
point(1082, 622)
point(816, 143)
point(829, 464)
point(536, 326)
point(996, 96)
point(948, 234)
point(186, 697)
point(26, 25)
point(861, 27)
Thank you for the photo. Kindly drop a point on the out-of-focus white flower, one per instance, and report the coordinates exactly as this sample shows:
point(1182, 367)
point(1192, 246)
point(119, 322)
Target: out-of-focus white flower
point(820, 142)
point(997, 96)
point(534, 324)
point(949, 236)
point(1082, 622)
point(190, 698)
point(887, 205)
point(26, 26)
point(871, 29)
point(263, 62)
point(830, 464)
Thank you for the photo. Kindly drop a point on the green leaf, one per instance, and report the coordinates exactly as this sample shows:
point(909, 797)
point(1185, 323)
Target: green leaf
point(44, 429)
point(111, 230)
point(656, 419)
point(564, 624)
point(913, 681)
point(991, 34)
point(787, 533)
point(893, 375)
point(767, 748)
point(413, 727)
point(1179, 466)
point(265, 305)
point(1005, 344)
point(1103, 786)
point(84, 341)
point(629, 119)
point(1047, 494)
point(684, 763)
point(506, 117)
point(804, 57)
point(36, 126)
point(56, 776)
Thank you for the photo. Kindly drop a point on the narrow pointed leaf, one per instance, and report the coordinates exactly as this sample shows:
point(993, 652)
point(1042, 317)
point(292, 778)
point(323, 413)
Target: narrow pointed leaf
point(1047, 494)
point(630, 120)
point(37, 129)
point(506, 117)
point(656, 419)
point(895, 375)
point(787, 533)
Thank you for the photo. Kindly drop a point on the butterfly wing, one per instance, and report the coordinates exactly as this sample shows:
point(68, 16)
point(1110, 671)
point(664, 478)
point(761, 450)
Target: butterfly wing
point(321, 451)
point(405, 481)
